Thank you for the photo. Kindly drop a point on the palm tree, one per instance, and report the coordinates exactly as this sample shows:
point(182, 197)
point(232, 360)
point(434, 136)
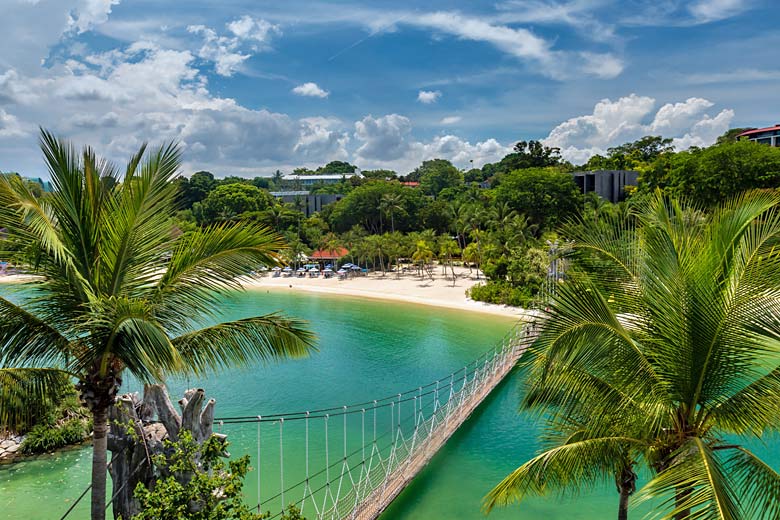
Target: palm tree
point(447, 249)
point(678, 331)
point(423, 255)
point(389, 205)
point(117, 293)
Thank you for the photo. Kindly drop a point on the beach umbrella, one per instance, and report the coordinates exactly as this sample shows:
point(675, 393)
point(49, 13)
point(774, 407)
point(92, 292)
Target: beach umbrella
point(341, 271)
point(276, 269)
point(314, 270)
point(355, 267)
point(287, 269)
point(328, 270)
point(301, 270)
point(347, 265)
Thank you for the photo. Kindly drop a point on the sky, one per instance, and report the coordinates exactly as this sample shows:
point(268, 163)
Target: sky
point(251, 86)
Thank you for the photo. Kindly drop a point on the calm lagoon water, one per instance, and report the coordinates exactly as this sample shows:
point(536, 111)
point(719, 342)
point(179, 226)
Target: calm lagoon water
point(367, 349)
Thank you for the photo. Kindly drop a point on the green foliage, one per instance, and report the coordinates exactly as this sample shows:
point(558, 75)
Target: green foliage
point(711, 175)
point(547, 197)
point(230, 201)
point(44, 438)
point(336, 167)
point(63, 421)
point(361, 207)
point(118, 291)
point(502, 293)
point(527, 154)
point(213, 490)
point(665, 356)
point(436, 175)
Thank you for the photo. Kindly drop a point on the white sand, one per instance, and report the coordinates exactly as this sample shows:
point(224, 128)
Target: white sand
point(408, 288)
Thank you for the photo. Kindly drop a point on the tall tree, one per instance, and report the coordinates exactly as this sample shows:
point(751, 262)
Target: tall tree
point(670, 350)
point(118, 293)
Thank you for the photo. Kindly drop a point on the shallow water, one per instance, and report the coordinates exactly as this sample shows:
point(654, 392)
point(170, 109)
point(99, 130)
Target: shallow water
point(367, 349)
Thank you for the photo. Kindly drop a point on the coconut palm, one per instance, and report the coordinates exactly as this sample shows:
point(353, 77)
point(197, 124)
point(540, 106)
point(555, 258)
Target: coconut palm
point(117, 293)
point(390, 204)
point(678, 329)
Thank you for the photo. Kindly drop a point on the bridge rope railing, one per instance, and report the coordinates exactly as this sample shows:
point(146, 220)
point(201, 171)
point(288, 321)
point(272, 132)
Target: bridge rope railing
point(368, 458)
point(337, 490)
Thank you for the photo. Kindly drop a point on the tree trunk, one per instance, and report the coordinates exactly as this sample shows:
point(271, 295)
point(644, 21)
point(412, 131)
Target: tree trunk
point(626, 486)
point(99, 462)
point(137, 434)
point(623, 506)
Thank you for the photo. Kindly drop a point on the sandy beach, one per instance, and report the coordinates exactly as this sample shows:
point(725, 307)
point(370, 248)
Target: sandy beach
point(408, 288)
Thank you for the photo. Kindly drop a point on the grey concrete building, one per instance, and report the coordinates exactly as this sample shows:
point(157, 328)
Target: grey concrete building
point(306, 202)
point(608, 184)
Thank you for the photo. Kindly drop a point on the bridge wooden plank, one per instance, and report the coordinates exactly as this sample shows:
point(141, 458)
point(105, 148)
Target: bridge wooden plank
point(380, 499)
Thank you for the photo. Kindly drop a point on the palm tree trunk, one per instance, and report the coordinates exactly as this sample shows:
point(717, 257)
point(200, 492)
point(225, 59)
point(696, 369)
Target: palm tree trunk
point(623, 505)
point(99, 463)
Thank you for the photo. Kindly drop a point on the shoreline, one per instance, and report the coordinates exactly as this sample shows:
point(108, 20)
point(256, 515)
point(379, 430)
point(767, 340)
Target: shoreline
point(410, 289)
point(407, 288)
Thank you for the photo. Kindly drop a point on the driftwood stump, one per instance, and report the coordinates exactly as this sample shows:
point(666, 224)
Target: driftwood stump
point(138, 429)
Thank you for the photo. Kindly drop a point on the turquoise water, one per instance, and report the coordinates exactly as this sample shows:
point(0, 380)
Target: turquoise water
point(367, 349)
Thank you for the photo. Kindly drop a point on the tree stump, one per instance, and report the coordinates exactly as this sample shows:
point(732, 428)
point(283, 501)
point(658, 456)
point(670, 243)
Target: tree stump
point(137, 431)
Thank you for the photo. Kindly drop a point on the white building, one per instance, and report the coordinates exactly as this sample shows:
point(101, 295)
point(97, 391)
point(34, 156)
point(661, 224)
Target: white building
point(309, 180)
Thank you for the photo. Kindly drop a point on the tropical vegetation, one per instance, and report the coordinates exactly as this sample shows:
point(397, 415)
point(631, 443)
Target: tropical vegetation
point(119, 291)
point(660, 356)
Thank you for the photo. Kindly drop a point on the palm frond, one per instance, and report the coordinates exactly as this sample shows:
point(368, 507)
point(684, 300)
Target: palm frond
point(24, 392)
point(26, 340)
point(696, 480)
point(578, 464)
point(207, 265)
point(244, 342)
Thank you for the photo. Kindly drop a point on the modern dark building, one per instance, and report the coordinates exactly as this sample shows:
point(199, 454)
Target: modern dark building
point(607, 184)
point(306, 202)
point(769, 135)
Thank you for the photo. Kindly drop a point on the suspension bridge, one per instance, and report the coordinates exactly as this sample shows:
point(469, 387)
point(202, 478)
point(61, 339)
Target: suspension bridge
point(350, 462)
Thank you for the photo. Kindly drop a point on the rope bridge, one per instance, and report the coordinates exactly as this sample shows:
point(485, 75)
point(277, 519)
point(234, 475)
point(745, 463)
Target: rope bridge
point(368, 452)
point(365, 453)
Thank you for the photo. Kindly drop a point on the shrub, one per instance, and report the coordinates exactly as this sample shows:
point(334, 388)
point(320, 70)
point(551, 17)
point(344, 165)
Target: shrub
point(502, 293)
point(47, 437)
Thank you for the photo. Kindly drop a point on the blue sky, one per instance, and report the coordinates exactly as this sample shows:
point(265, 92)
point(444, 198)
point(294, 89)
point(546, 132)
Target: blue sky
point(251, 86)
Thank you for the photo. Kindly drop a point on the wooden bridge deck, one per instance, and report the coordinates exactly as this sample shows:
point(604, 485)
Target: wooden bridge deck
point(380, 499)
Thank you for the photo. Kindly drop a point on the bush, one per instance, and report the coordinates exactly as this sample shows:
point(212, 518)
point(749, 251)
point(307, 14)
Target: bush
point(46, 437)
point(502, 293)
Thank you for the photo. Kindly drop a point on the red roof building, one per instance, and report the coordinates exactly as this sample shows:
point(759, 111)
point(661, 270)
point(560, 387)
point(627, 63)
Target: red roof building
point(410, 184)
point(330, 254)
point(769, 135)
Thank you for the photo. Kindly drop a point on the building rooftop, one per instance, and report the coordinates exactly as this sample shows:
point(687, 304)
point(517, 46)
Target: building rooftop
point(760, 130)
point(328, 177)
point(330, 254)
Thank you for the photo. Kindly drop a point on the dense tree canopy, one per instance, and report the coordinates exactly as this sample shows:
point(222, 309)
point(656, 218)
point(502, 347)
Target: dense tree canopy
point(228, 201)
point(545, 195)
point(438, 174)
point(711, 175)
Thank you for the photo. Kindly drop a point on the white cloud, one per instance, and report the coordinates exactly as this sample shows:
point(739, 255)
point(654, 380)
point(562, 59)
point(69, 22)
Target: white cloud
point(520, 43)
point(229, 52)
point(387, 142)
point(428, 96)
point(89, 13)
point(9, 125)
point(310, 89)
point(705, 11)
point(450, 120)
point(248, 28)
point(613, 123)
